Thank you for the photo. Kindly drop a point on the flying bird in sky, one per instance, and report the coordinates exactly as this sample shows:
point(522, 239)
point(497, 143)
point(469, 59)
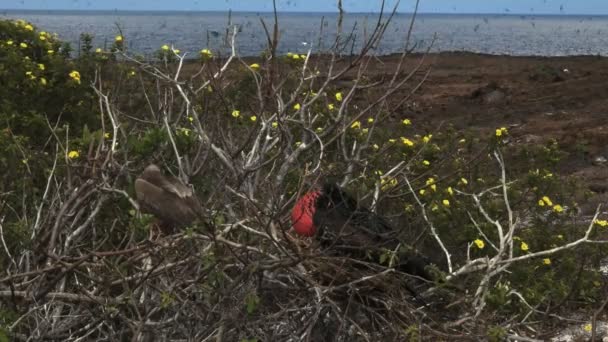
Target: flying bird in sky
point(171, 201)
point(340, 223)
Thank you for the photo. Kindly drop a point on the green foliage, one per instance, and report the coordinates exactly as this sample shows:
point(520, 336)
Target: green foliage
point(252, 302)
point(496, 334)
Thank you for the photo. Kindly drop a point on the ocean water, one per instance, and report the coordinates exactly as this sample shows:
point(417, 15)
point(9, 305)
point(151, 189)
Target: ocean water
point(145, 32)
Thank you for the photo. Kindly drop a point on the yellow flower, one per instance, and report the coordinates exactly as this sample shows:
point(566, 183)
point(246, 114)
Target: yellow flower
point(118, 39)
point(588, 327)
point(98, 50)
point(558, 208)
point(427, 138)
point(50, 52)
point(501, 131)
point(236, 113)
point(376, 147)
point(547, 200)
point(295, 56)
point(297, 106)
point(43, 81)
point(541, 203)
point(30, 75)
point(524, 246)
point(601, 223)
point(41, 37)
point(185, 131)
point(23, 45)
point(450, 191)
point(433, 187)
point(339, 97)
point(289, 54)
point(479, 243)
point(165, 47)
point(422, 192)
point(206, 53)
point(106, 135)
point(9, 42)
point(370, 120)
point(41, 66)
point(319, 130)
point(254, 66)
point(426, 162)
point(407, 142)
point(364, 131)
point(390, 183)
point(253, 118)
point(392, 141)
point(275, 124)
point(356, 125)
point(406, 122)
point(547, 261)
point(29, 27)
point(446, 202)
point(331, 106)
point(303, 56)
point(75, 75)
point(73, 154)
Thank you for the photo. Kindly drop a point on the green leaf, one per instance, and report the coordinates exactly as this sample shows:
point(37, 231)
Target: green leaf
point(252, 301)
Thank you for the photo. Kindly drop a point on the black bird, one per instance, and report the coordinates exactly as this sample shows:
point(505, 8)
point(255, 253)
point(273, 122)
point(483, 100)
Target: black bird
point(340, 223)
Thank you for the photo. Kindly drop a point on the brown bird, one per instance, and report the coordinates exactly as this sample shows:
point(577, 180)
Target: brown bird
point(171, 201)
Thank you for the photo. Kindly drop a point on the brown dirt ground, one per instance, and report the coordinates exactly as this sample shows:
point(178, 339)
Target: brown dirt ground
point(538, 98)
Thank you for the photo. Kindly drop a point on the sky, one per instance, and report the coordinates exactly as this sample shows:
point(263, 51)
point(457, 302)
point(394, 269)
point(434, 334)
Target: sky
point(596, 7)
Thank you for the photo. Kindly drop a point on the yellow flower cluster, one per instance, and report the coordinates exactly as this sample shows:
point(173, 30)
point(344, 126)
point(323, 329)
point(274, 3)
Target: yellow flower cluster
point(118, 39)
point(407, 142)
point(601, 223)
point(236, 113)
point(339, 97)
point(479, 243)
point(406, 122)
point(254, 66)
point(546, 201)
point(73, 154)
point(75, 76)
point(356, 125)
point(206, 53)
point(501, 131)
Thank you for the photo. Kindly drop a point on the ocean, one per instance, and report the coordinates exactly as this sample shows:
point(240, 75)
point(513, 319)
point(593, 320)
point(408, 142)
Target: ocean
point(145, 32)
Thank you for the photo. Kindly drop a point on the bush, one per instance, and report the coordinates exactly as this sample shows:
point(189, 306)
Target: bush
point(251, 136)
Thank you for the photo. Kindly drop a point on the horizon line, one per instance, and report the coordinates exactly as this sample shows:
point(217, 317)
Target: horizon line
point(293, 12)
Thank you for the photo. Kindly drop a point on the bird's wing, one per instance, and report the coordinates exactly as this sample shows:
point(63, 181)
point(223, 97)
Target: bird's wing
point(149, 196)
point(175, 186)
point(167, 205)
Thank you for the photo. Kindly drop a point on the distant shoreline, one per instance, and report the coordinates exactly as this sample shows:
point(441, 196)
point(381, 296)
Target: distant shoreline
point(195, 12)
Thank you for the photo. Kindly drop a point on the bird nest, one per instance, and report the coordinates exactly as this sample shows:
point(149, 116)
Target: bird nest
point(331, 298)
